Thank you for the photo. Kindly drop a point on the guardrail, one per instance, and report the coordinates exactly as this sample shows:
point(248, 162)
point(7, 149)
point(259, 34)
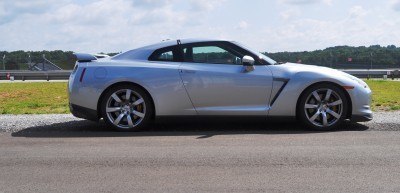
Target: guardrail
point(36, 75)
point(374, 73)
point(64, 74)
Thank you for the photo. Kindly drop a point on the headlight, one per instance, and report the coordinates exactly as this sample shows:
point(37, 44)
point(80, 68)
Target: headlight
point(360, 82)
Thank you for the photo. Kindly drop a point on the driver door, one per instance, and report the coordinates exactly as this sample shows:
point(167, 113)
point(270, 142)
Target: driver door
point(217, 83)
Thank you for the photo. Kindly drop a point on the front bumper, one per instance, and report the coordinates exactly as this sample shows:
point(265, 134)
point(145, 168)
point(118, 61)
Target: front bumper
point(361, 102)
point(361, 118)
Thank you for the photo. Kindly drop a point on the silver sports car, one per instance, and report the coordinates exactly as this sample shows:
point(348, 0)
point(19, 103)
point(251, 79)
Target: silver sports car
point(199, 77)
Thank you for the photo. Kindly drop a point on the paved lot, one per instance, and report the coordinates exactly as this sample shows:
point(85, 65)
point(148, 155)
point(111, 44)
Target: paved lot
point(58, 153)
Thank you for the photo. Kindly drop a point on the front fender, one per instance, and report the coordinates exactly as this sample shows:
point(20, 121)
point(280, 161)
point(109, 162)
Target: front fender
point(285, 104)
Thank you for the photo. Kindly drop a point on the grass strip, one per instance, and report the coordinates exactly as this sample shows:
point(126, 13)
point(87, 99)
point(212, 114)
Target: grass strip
point(51, 97)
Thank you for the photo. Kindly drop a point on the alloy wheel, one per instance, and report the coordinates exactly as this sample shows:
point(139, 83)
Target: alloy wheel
point(323, 107)
point(125, 108)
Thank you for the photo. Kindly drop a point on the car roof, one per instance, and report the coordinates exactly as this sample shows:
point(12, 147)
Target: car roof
point(173, 42)
point(143, 53)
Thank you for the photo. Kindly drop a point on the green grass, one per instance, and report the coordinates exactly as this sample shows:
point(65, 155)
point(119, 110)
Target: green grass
point(33, 98)
point(51, 97)
point(385, 95)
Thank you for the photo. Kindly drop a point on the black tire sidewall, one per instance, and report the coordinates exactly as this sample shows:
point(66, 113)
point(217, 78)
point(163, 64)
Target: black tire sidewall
point(300, 107)
point(146, 98)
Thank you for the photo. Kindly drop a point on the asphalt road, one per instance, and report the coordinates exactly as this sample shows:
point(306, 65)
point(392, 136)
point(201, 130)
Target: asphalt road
point(58, 153)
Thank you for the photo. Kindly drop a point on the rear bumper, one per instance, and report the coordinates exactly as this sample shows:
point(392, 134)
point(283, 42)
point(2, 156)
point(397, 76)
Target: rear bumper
point(83, 112)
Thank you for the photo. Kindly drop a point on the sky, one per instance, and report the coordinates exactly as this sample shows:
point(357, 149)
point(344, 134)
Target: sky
point(266, 25)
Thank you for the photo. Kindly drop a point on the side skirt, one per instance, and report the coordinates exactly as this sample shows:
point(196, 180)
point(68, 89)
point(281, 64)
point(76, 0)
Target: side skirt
point(221, 118)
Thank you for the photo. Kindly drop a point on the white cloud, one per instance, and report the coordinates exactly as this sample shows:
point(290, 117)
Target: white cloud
point(396, 5)
point(298, 2)
point(290, 14)
point(242, 25)
point(357, 12)
point(205, 5)
point(328, 2)
point(96, 26)
point(12, 9)
point(118, 25)
point(150, 3)
point(305, 2)
point(319, 34)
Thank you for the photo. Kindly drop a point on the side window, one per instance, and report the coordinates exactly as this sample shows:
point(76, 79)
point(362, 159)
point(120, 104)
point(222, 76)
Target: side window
point(164, 54)
point(210, 54)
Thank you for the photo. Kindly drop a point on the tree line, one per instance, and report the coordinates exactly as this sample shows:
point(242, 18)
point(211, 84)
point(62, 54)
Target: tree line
point(345, 57)
point(337, 57)
point(18, 60)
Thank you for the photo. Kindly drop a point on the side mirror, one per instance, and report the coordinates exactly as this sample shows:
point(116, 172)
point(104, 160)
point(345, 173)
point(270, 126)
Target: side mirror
point(248, 63)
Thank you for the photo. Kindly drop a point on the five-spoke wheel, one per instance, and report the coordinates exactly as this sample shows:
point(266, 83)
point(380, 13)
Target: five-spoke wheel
point(126, 107)
point(323, 106)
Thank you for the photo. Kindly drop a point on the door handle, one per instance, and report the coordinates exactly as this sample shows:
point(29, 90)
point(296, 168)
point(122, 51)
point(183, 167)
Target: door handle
point(188, 71)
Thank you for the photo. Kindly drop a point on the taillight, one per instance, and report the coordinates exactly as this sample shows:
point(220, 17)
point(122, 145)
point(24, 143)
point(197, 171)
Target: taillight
point(75, 68)
point(83, 74)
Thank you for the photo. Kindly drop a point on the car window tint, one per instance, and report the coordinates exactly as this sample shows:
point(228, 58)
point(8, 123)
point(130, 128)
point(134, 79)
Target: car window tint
point(210, 54)
point(164, 54)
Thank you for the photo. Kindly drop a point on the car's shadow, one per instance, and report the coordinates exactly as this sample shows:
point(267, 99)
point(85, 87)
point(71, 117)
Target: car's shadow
point(202, 128)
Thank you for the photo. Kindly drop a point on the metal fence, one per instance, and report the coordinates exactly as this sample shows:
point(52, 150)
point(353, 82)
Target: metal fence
point(35, 75)
point(340, 59)
point(38, 64)
point(64, 74)
point(375, 64)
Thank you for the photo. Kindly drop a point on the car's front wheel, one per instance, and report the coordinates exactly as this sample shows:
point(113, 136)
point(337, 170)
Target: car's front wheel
point(126, 108)
point(322, 107)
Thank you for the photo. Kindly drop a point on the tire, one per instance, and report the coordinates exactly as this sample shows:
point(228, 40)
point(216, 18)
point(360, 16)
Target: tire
point(321, 112)
point(126, 108)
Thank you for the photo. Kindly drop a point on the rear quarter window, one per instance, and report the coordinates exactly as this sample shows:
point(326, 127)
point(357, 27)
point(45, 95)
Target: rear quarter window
point(168, 54)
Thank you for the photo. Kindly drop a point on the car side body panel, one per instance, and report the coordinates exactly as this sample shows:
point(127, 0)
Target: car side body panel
point(218, 89)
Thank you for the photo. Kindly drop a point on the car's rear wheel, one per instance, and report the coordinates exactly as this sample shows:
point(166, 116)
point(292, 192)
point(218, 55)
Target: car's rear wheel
point(322, 107)
point(126, 108)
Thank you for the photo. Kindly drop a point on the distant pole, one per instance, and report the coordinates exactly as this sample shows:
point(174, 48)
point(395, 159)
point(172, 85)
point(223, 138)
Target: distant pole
point(44, 60)
point(371, 60)
point(29, 61)
point(4, 66)
point(331, 58)
point(370, 67)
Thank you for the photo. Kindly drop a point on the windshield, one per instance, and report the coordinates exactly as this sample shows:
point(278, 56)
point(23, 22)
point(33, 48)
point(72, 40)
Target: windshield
point(260, 55)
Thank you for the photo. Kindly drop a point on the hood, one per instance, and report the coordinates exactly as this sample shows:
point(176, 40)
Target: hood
point(294, 68)
point(290, 69)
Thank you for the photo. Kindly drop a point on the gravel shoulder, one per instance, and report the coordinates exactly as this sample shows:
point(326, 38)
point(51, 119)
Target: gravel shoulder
point(382, 121)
